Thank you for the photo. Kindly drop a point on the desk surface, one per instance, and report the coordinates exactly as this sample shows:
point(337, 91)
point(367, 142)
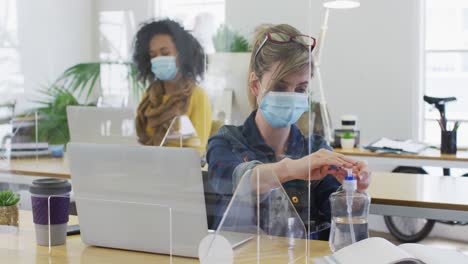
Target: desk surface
point(419, 190)
point(44, 167)
point(20, 247)
point(386, 188)
point(428, 154)
point(57, 167)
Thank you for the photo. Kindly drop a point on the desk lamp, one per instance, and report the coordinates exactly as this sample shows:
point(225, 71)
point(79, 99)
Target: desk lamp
point(328, 4)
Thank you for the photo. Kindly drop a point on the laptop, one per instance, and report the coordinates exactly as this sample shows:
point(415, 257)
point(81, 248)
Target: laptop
point(130, 197)
point(104, 125)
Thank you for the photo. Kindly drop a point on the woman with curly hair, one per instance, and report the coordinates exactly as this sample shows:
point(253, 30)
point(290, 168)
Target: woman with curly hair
point(171, 61)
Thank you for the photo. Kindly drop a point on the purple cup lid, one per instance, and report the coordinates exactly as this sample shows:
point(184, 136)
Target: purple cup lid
point(50, 186)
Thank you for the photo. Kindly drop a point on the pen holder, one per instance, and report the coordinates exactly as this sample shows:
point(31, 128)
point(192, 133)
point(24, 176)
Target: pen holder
point(448, 142)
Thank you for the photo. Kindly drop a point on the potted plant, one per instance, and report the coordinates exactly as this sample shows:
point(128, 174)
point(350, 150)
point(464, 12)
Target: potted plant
point(228, 40)
point(348, 139)
point(81, 79)
point(75, 84)
point(228, 71)
point(9, 208)
point(52, 115)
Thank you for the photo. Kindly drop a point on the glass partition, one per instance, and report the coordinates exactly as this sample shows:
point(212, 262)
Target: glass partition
point(99, 219)
point(183, 113)
point(260, 223)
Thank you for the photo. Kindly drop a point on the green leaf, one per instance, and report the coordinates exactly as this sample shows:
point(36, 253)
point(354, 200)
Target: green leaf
point(239, 44)
point(52, 123)
point(9, 198)
point(348, 135)
point(228, 40)
point(137, 87)
point(80, 78)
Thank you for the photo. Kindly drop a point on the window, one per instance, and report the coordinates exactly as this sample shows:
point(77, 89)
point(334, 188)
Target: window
point(465, 19)
point(201, 17)
point(115, 30)
point(447, 65)
point(187, 11)
point(11, 77)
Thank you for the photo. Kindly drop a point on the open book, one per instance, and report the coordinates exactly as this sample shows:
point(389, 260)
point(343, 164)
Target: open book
point(377, 250)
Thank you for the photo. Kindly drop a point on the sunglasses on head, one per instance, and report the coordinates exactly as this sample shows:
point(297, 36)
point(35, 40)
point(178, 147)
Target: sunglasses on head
point(283, 38)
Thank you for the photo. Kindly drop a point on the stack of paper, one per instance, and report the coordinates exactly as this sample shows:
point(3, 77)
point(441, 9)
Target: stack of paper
point(19, 150)
point(396, 145)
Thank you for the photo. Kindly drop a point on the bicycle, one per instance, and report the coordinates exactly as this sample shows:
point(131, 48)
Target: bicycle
point(410, 230)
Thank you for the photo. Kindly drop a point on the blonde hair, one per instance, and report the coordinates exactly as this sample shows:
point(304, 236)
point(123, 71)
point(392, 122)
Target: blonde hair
point(292, 57)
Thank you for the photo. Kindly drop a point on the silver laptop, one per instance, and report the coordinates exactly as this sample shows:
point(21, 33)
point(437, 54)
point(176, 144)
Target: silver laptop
point(130, 197)
point(104, 125)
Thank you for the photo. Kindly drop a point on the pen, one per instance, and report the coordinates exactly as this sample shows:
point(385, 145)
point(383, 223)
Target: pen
point(441, 125)
point(444, 121)
point(455, 127)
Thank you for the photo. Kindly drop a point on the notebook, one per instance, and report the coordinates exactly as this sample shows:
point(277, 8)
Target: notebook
point(389, 145)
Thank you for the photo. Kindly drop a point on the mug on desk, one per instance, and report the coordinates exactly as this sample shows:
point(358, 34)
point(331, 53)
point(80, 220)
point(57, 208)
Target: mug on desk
point(50, 200)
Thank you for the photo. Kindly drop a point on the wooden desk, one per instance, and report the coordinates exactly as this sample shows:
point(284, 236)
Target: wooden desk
point(392, 194)
point(44, 167)
point(21, 247)
point(57, 167)
point(416, 195)
point(428, 157)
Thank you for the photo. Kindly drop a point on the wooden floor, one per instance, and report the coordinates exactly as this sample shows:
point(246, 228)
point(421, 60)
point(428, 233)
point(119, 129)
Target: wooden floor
point(437, 242)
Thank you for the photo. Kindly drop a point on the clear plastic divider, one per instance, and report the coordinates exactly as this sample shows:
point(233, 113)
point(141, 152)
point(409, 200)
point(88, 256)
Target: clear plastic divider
point(26, 143)
point(260, 223)
point(111, 223)
point(140, 186)
point(104, 125)
point(181, 133)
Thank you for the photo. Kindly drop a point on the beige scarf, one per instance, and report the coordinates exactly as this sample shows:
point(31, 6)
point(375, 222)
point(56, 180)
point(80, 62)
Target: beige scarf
point(154, 113)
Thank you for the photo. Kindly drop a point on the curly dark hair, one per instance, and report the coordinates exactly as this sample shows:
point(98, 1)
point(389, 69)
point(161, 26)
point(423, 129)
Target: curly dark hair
point(190, 53)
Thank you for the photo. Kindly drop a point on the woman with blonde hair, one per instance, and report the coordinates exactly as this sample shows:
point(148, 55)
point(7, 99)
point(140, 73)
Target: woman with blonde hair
point(269, 142)
point(171, 61)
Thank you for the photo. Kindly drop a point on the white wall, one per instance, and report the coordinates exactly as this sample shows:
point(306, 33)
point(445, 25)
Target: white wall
point(244, 15)
point(53, 35)
point(371, 66)
point(370, 61)
point(56, 34)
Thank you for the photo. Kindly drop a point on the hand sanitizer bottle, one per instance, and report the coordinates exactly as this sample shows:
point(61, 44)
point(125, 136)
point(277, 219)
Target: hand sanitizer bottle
point(349, 212)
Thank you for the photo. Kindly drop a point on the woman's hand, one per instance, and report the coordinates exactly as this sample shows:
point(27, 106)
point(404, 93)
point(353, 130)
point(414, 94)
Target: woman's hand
point(320, 164)
point(317, 164)
point(360, 171)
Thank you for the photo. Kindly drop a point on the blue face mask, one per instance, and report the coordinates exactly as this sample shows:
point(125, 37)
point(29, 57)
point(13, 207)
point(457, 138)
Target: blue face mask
point(164, 67)
point(282, 109)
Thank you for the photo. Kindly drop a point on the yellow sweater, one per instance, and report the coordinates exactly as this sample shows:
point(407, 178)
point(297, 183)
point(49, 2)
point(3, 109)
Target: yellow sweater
point(199, 113)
